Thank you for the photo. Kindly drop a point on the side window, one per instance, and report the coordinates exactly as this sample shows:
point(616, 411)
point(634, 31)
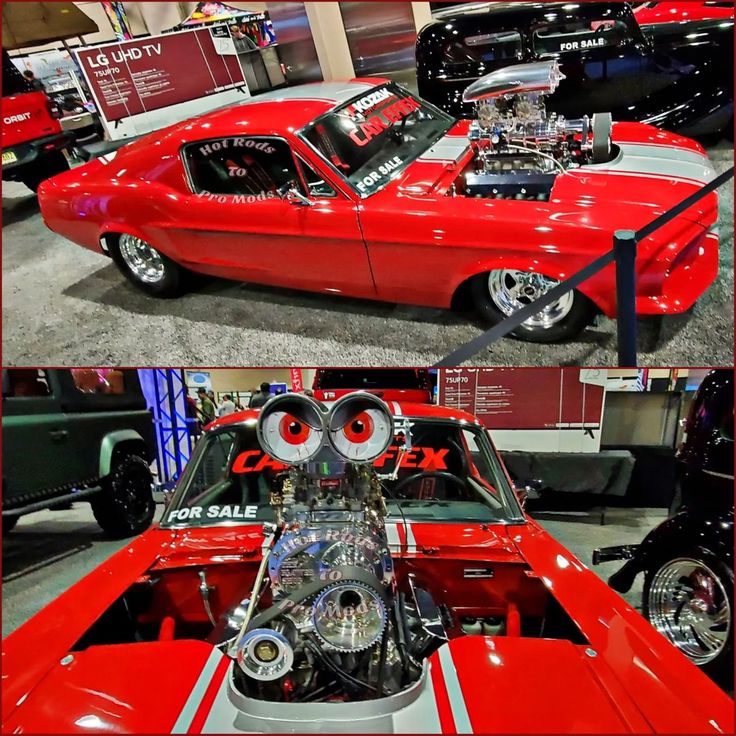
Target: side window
point(485, 48)
point(316, 185)
point(248, 166)
point(24, 382)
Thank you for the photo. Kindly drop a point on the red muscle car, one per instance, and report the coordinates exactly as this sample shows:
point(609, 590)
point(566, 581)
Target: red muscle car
point(362, 189)
point(360, 567)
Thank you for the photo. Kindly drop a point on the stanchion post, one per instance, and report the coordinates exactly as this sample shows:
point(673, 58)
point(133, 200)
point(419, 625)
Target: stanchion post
point(624, 249)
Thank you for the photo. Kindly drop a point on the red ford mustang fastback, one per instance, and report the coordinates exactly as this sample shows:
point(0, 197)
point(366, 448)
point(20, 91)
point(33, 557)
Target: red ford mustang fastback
point(353, 569)
point(361, 189)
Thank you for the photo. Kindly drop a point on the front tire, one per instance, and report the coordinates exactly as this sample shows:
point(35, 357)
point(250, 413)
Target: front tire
point(125, 506)
point(147, 268)
point(500, 293)
point(688, 599)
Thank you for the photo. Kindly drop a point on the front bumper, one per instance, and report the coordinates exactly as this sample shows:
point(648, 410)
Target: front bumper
point(23, 154)
point(690, 274)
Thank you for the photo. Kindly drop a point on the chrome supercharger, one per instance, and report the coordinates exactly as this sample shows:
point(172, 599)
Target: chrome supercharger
point(336, 626)
point(519, 147)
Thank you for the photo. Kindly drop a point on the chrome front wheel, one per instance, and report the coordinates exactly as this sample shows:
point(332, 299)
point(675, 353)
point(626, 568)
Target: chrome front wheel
point(687, 602)
point(512, 290)
point(143, 260)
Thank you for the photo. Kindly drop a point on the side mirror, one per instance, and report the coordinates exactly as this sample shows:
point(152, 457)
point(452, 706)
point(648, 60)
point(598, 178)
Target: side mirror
point(290, 193)
point(527, 489)
point(168, 495)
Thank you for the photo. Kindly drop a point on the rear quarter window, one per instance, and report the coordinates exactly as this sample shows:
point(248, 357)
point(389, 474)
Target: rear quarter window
point(240, 165)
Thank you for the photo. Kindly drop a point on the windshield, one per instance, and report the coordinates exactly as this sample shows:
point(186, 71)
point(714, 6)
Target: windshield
point(445, 472)
point(374, 137)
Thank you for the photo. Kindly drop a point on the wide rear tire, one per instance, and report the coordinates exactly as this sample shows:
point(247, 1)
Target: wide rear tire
point(147, 268)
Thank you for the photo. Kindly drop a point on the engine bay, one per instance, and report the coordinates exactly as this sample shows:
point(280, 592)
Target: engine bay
point(518, 147)
point(334, 610)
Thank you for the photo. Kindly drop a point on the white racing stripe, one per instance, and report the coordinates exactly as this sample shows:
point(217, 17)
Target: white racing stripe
point(393, 538)
point(448, 148)
point(195, 696)
point(656, 162)
point(411, 542)
point(454, 691)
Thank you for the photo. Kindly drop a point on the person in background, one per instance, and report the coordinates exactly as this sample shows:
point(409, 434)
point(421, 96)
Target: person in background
point(259, 398)
point(193, 425)
point(211, 395)
point(207, 409)
point(227, 406)
point(37, 84)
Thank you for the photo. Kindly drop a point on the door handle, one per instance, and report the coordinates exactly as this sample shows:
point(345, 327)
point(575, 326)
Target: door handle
point(58, 435)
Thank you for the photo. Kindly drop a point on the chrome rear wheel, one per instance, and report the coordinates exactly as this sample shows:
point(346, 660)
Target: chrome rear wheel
point(143, 260)
point(688, 603)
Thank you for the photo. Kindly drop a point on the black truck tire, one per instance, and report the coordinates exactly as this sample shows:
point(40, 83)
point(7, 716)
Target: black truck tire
point(125, 506)
point(44, 168)
point(9, 523)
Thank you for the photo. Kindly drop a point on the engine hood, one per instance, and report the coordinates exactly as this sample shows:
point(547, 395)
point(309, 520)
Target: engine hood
point(129, 688)
point(109, 689)
point(651, 171)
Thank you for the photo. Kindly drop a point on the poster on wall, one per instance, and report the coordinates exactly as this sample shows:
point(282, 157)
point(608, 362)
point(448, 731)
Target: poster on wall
point(146, 74)
point(297, 383)
point(523, 399)
point(198, 379)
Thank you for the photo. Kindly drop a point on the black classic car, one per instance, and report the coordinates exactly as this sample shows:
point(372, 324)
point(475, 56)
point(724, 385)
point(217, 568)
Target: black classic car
point(687, 560)
point(678, 76)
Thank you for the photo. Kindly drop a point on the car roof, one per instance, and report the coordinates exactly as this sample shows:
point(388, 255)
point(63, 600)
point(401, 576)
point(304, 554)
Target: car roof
point(277, 111)
point(398, 409)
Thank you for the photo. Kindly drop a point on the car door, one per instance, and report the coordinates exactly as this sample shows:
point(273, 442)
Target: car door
point(259, 212)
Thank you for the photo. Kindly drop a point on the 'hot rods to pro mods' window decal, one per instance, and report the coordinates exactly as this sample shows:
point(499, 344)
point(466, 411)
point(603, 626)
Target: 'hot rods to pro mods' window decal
point(374, 136)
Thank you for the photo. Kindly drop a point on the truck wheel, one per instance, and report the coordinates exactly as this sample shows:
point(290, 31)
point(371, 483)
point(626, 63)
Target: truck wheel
point(498, 294)
point(147, 268)
point(9, 523)
point(48, 166)
point(125, 506)
point(688, 599)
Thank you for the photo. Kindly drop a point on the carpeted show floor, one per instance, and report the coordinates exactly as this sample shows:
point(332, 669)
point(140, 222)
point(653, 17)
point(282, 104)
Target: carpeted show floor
point(65, 305)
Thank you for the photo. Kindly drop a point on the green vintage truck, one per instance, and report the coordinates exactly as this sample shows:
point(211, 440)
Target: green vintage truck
point(77, 434)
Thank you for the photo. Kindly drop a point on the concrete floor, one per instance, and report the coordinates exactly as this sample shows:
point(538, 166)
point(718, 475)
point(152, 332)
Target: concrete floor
point(65, 305)
point(49, 551)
